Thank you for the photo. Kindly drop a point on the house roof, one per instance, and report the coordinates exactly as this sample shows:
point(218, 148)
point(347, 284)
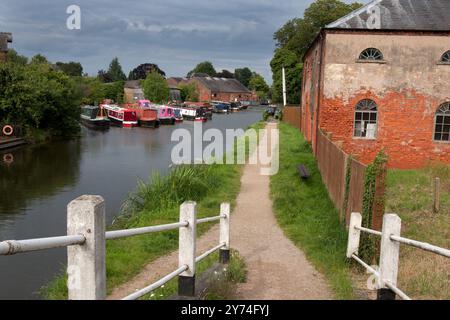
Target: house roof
point(222, 84)
point(4, 39)
point(133, 84)
point(421, 15)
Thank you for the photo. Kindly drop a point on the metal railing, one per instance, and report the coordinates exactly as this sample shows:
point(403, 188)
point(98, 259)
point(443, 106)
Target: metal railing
point(86, 248)
point(389, 252)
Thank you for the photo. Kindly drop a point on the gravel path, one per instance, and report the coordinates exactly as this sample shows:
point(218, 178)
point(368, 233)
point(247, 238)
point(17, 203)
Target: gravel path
point(277, 269)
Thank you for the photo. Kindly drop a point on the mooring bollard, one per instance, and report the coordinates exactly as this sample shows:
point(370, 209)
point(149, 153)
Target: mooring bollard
point(224, 253)
point(354, 234)
point(86, 267)
point(187, 249)
point(389, 256)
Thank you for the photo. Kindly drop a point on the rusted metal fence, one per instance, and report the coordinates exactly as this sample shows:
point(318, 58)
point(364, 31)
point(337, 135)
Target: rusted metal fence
point(292, 114)
point(86, 238)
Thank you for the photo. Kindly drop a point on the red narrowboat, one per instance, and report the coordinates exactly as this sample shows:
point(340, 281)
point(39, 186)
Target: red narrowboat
point(126, 118)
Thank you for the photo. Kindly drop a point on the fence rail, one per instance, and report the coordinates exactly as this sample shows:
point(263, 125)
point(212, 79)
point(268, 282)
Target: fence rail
point(86, 240)
point(389, 252)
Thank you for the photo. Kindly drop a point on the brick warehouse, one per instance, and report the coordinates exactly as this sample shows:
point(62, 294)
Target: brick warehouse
point(5, 38)
point(378, 79)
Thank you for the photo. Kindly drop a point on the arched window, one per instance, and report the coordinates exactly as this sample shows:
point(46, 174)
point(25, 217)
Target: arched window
point(442, 127)
point(446, 57)
point(366, 116)
point(371, 54)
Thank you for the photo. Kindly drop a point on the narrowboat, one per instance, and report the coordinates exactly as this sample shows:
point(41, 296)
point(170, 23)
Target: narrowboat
point(94, 117)
point(122, 117)
point(178, 115)
point(193, 114)
point(166, 115)
point(147, 114)
point(221, 108)
point(234, 107)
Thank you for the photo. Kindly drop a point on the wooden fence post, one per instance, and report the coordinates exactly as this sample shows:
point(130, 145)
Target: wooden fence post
point(389, 256)
point(187, 249)
point(224, 253)
point(86, 263)
point(354, 234)
point(437, 195)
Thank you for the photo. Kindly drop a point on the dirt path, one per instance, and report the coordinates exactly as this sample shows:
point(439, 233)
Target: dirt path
point(277, 269)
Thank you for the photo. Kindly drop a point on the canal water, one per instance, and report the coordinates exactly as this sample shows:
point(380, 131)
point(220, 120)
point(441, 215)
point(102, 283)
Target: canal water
point(37, 186)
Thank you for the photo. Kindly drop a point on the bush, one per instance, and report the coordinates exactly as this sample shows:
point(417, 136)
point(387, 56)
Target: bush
point(155, 88)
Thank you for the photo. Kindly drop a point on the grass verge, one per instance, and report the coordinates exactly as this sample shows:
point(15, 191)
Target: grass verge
point(306, 213)
point(422, 275)
point(157, 202)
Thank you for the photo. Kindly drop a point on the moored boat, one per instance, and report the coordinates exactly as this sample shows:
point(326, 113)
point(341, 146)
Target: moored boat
point(94, 117)
point(147, 115)
point(178, 115)
point(122, 117)
point(193, 114)
point(221, 108)
point(166, 115)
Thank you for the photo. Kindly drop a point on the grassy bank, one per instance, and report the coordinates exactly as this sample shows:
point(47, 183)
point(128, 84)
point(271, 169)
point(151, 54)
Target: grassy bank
point(157, 202)
point(422, 275)
point(306, 213)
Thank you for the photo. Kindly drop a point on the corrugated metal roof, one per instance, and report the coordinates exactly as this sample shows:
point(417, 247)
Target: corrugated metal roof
point(423, 15)
point(222, 84)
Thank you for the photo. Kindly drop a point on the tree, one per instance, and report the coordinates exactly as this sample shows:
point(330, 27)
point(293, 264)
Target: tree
point(155, 88)
point(114, 73)
point(258, 84)
point(39, 59)
point(73, 69)
point(243, 75)
point(14, 57)
point(287, 59)
point(189, 92)
point(141, 72)
point(225, 74)
point(114, 91)
point(203, 67)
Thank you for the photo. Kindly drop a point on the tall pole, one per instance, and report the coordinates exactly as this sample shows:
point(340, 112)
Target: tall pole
point(284, 88)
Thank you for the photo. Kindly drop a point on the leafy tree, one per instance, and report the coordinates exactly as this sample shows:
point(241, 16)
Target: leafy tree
point(298, 34)
point(243, 75)
point(114, 73)
point(14, 57)
point(39, 59)
point(155, 88)
point(258, 84)
point(203, 67)
point(141, 71)
point(114, 91)
point(74, 69)
point(289, 60)
point(189, 92)
point(225, 74)
point(39, 98)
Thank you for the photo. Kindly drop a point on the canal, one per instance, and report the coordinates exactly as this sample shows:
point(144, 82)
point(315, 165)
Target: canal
point(37, 186)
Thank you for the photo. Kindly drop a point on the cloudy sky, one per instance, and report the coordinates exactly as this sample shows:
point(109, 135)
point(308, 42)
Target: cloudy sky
point(175, 34)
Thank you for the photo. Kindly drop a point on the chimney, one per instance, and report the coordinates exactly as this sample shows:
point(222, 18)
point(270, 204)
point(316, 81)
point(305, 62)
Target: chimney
point(5, 38)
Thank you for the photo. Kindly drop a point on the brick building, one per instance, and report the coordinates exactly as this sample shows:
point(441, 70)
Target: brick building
point(5, 38)
point(216, 89)
point(378, 79)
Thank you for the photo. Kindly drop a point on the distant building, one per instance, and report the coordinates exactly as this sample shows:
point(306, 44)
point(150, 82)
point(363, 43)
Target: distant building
point(132, 91)
point(5, 38)
point(378, 79)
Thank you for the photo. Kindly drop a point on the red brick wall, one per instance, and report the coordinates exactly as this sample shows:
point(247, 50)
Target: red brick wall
point(405, 129)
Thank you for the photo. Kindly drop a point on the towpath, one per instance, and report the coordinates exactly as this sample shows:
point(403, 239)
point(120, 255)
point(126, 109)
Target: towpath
point(277, 269)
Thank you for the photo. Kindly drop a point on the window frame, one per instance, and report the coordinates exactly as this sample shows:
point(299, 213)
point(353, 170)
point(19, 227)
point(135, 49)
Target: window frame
point(368, 60)
point(442, 61)
point(444, 115)
point(360, 120)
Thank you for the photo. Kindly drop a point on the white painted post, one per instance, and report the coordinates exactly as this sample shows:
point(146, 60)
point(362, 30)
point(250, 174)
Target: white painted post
point(224, 253)
point(187, 248)
point(354, 234)
point(284, 87)
point(86, 263)
point(389, 256)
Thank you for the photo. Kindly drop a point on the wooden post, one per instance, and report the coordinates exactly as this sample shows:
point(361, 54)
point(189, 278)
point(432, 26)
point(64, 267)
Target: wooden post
point(187, 249)
point(224, 253)
point(354, 234)
point(86, 263)
point(389, 256)
point(437, 195)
